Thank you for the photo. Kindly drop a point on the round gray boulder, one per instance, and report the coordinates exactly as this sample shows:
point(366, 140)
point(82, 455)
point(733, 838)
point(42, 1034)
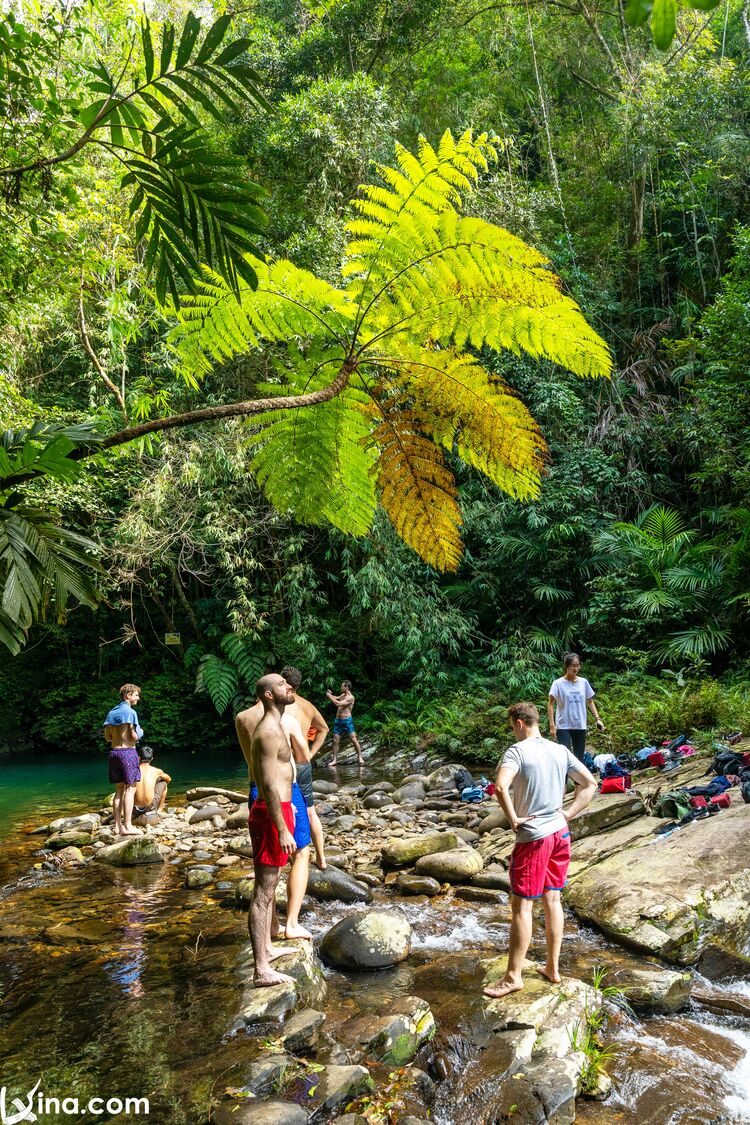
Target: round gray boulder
point(374, 939)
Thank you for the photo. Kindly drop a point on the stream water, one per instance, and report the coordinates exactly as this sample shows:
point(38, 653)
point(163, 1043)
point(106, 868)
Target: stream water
point(122, 983)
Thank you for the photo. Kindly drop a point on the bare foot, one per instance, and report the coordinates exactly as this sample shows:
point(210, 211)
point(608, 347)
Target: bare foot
point(280, 933)
point(271, 977)
point(131, 832)
point(332, 765)
point(553, 978)
point(320, 862)
point(298, 932)
point(280, 951)
point(504, 988)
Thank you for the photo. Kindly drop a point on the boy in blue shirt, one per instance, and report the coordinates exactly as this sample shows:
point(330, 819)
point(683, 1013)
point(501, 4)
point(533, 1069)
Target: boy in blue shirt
point(122, 731)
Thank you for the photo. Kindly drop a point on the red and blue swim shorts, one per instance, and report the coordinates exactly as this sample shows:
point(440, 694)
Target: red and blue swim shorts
point(537, 866)
point(265, 836)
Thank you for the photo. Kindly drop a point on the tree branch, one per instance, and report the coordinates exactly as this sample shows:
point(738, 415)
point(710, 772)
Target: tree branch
point(88, 348)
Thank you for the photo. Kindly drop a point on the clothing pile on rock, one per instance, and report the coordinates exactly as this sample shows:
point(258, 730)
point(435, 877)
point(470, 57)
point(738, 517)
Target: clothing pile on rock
point(728, 769)
point(615, 771)
point(471, 790)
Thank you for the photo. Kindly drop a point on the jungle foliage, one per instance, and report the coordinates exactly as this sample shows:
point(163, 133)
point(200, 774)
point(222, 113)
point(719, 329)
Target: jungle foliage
point(186, 249)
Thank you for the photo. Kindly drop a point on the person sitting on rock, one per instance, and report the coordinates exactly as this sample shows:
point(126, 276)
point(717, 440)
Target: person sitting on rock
point(122, 731)
point(344, 723)
point(537, 770)
point(151, 790)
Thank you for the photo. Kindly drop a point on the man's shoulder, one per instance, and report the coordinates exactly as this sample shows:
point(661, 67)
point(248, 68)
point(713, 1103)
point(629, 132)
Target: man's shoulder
point(302, 708)
point(249, 714)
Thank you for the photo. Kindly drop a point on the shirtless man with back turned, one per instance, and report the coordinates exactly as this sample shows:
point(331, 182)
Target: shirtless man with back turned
point(314, 730)
point(271, 820)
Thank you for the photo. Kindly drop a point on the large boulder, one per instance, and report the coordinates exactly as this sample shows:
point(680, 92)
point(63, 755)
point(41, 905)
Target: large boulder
point(241, 845)
point(70, 838)
point(373, 939)
point(494, 819)
point(206, 812)
point(308, 986)
point(132, 851)
point(443, 778)
point(413, 791)
point(678, 897)
point(87, 822)
point(407, 884)
point(238, 819)
point(604, 812)
point(254, 1112)
point(203, 791)
point(334, 885)
point(377, 801)
point(455, 866)
point(403, 851)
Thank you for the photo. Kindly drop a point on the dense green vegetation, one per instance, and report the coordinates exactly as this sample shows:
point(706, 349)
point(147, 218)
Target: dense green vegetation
point(608, 514)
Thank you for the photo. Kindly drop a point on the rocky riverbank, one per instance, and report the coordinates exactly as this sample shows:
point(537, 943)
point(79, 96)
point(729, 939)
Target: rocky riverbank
point(393, 848)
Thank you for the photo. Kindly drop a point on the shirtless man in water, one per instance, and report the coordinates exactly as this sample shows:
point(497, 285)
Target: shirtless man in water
point(344, 723)
point(271, 820)
point(122, 730)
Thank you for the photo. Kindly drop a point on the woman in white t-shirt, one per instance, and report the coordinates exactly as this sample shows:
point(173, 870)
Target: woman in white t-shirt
point(569, 697)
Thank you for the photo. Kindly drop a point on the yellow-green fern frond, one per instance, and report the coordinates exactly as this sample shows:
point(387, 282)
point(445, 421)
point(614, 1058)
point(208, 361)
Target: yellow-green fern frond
point(289, 304)
point(314, 461)
point(477, 284)
point(417, 491)
point(396, 219)
point(466, 409)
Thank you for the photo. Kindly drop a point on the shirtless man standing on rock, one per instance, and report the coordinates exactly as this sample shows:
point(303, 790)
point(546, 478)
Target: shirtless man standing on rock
point(122, 731)
point(344, 723)
point(271, 821)
point(314, 730)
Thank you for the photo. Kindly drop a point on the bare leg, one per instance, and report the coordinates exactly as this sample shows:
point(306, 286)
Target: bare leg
point(554, 920)
point(117, 806)
point(259, 925)
point(161, 787)
point(128, 799)
point(520, 939)
point(316, 831)
point(295, 892)
point(358, 748)
point(336, 741)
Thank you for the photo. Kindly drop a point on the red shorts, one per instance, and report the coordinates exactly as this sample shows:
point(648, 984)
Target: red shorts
point(540, 865)
point(265, 835)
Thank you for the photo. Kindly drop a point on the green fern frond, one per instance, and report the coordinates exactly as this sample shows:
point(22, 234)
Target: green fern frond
point(314, 462)
point(219, 679)
point(249, 661)
point(417, 491)
point(288, 304)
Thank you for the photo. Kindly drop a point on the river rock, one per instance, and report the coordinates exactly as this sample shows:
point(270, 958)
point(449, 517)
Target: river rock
point(238, 819)
point(346, 823)
point(372, 939)
point(247, 1112)
point(70, 857)
point(394, 1038)
point(496, 818)
point(279, 1000)
point(320, 786)
point(379, 787)
point(265, 1073)
point(494, 876)
point(202, 791)
point(198, 877)
point(377, 801)
point(443, 778)
point(68, 839)
point(87, 822)
point(604, 812)
point(455, 866)
point(207, 812)
point(677, 898)
point(417, 885)
point(301, 1031)
point(651, 988)
point(131, 852)
point(334, 885)
point(401, 852)
point(337, 1086)
point(241, 845)
point(82, 931)
point(414, 790)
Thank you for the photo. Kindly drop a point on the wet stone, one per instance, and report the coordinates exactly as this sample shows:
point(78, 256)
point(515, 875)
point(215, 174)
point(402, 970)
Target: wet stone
point(301, 1031)
point(366, 940)
point(248, 1112)
point(417, 885)
point(333, 885)
point(198, 877)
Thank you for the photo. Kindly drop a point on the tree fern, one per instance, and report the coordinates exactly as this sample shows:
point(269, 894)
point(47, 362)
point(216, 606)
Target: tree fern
point(421, 284)
point(218, 678)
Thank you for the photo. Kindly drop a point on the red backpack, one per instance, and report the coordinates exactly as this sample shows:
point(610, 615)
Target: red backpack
point(656, 759)
point(615, 784)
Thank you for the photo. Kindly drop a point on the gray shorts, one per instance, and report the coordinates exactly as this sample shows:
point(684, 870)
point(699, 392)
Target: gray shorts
point(304, 780)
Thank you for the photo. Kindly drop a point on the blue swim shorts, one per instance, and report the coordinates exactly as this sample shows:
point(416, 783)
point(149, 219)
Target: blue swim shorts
point(302, 836)
point(344, 726)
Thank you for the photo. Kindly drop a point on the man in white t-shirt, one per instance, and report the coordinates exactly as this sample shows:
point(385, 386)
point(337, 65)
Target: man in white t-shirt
point(537, 771)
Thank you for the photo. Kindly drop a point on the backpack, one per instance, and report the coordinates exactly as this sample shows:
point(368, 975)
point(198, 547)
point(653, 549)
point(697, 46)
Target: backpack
point(615, 784)
point(721, 801)
point(727, 761)
point(614, 769)
point(462, 778)
point(674, 805)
